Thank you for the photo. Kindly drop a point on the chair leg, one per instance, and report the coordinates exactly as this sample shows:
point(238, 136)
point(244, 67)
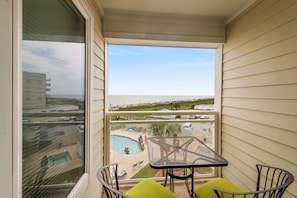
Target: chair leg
point(166, 177)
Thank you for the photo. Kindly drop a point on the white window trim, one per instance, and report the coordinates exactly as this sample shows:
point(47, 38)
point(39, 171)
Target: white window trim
point(17, 100)
point(218, 78)
point(82, 184)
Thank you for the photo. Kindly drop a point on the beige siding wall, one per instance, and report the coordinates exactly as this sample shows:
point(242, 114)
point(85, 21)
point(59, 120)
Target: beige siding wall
point(259, 92)
point(98, 97)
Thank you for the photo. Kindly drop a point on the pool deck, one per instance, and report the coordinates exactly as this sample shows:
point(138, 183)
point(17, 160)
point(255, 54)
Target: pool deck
point(126, 161)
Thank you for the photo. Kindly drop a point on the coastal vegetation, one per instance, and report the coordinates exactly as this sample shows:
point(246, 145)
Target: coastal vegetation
point(173, 106)
point(177, 105)
point(165, 129)
point(65, 101)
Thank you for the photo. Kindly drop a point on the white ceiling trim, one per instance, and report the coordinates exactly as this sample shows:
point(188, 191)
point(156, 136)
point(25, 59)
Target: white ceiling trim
point(141, 42)
point(227, 9)
point(240, 11)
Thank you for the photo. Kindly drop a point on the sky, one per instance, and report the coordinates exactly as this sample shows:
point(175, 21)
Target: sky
point(62, 62)
point(144, 70)
point(132, 70)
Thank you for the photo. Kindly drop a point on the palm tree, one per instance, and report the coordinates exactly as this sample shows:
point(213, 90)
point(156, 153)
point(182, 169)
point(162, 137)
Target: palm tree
point(163, 129)
point(173, 129)
point(158, 129)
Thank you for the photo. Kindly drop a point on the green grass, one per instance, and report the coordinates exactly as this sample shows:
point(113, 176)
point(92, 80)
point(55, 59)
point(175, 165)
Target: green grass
point(145, 172)
point(206, 170)
point(148, 172)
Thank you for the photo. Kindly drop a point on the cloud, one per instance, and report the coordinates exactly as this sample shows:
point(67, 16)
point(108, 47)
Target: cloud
point(121, 51)
point(63, 63)
point(162, 71)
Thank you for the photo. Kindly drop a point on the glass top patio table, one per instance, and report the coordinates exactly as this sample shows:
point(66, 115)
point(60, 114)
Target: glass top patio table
point(184, 152)
point(181, 152)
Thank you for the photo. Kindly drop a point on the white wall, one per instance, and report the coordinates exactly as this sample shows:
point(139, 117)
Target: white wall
point(97, 77)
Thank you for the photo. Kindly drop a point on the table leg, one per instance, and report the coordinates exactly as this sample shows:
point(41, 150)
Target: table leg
point(186, 176)
point(169, 172)
point(192, 184)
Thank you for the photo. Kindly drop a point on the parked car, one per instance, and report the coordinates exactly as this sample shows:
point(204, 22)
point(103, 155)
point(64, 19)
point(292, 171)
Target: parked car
point(188, 126)
point(204, 117)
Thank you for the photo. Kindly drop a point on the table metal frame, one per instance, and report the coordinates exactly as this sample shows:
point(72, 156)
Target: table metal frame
point(173, 155)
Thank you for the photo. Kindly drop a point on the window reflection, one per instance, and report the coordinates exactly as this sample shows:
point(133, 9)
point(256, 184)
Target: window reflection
point(53, 55)
point(53, 115)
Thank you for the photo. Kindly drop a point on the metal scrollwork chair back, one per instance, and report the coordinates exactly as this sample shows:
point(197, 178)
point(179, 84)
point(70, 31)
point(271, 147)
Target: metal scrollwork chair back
point(271, 183)
point(107, 176)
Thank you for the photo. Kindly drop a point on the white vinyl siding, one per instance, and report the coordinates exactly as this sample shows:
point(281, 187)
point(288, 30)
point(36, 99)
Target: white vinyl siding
point(259, 97)
point(98, 104)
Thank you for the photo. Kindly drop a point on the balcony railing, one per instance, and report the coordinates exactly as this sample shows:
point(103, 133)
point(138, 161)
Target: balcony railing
point(130, 129)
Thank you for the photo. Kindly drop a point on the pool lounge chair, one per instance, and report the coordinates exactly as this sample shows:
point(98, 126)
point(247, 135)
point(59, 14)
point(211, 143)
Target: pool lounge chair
point(132, 128)
point(122, 174)
point(134, 165)
point(140, 162)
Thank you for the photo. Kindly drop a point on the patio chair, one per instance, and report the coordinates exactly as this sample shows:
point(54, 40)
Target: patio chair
point(271, 183)
point(147, 188)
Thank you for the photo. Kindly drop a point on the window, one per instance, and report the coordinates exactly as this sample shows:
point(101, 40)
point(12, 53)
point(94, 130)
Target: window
point(146, 78)
point(54, 109)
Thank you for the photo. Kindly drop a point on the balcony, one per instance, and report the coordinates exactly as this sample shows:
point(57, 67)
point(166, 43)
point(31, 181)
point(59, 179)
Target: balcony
point(137, 126)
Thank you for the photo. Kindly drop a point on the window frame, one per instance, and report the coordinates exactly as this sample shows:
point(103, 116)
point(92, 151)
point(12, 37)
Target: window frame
point(82, 184)
point(218, 47)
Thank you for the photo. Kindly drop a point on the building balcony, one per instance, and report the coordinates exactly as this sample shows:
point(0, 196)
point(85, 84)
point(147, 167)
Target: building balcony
point(130, 129)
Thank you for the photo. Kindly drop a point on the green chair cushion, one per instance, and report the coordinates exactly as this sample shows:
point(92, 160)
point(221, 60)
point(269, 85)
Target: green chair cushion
point(148, 188)
point(207, 190)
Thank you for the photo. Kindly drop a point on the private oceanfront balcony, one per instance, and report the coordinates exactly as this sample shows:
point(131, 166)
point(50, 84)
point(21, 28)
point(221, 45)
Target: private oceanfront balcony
point(128, 146)
point(130, 129)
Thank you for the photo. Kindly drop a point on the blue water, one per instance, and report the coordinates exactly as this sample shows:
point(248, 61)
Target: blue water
point(60, 158)
point(118, 144)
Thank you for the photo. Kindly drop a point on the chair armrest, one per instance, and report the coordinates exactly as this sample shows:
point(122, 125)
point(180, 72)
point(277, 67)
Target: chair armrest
point(260, 193)
point(223, 193)
point(206, 190)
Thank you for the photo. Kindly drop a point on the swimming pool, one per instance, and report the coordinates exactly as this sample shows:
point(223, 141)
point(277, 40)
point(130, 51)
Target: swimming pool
point(59, 158)
point(118, 144)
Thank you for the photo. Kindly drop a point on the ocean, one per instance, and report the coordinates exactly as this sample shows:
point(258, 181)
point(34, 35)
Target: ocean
point(127, 100)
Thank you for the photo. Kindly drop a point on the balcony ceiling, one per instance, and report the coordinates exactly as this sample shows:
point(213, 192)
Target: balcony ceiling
point(226, 9)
